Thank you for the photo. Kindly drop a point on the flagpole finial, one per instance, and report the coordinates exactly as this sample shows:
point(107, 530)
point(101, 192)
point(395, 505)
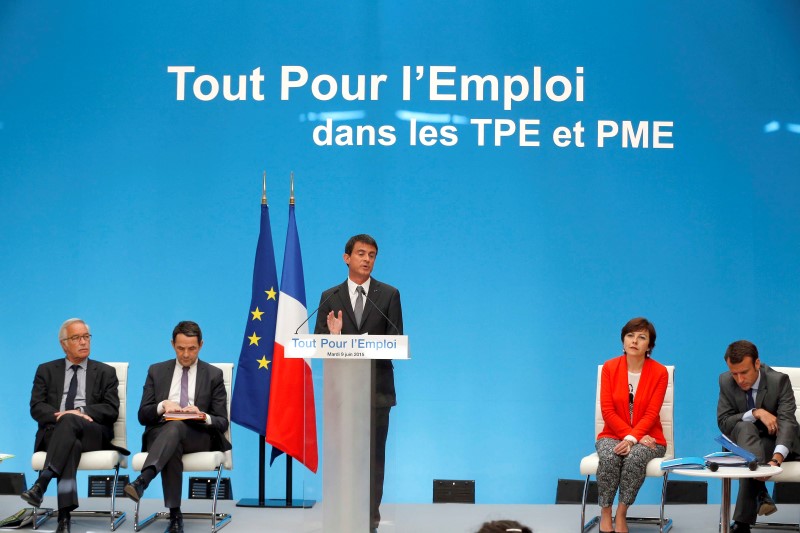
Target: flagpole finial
point(264, 190)
point(291, 188)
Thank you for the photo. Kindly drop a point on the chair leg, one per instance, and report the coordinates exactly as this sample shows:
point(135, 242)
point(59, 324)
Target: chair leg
point(138, 526)
point(41, 514)
point(776, 525)
point(214, 501)
point(117, 517)
point(584, 525)
point(663, 527)
point(218, 520)
point(114, 497)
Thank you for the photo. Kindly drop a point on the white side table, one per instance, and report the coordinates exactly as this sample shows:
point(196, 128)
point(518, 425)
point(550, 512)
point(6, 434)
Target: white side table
point(726, 474)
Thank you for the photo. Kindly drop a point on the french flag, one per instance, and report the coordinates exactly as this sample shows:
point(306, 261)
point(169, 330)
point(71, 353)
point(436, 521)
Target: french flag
point(292, 421)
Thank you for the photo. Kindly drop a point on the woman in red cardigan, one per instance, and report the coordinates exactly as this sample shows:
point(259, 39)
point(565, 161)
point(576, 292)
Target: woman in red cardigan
point(632, 389)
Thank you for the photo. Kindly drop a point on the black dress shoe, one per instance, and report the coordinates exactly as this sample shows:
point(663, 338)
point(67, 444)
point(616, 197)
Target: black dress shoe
point(175, 525)
point(63, 525)
point(33, 495)
point(135, 490)
point(766, 506)
point(740, 527)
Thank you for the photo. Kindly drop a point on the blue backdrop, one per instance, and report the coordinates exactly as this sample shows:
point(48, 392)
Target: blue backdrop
point(518, 265)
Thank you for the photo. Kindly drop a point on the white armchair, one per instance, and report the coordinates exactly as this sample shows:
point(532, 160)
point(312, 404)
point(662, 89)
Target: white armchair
point(590, 462)
point(102, 459)
point(791, 469)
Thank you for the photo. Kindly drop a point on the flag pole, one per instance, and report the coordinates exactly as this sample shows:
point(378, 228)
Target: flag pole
point(288, 502)
point(289, 457)
point(262, 444)
point(291, 188)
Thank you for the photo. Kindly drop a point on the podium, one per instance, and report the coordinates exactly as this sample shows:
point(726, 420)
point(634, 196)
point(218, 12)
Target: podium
point(347, 376)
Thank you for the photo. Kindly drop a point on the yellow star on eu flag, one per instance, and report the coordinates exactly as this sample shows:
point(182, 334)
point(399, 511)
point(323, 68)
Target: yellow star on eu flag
point(271, 293)
point(263, 363)
point(254, 339)
point(256, 314)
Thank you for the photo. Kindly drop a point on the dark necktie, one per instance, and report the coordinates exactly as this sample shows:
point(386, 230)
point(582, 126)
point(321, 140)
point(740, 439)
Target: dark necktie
point(750, 403)
point(69, 405)
point(359, 309)
point(185, 387)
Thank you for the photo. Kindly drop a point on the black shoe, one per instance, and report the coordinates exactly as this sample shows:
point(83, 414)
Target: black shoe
point(63, 525)
point(740, 527)
point(135, 490)
point(175, 525)
point(33, 495)
point(766, 506)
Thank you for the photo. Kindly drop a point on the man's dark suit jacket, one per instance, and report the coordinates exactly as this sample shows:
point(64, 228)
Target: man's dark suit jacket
point(102, 398)
point(387, 299)
point(774, 394)
point(209, 396)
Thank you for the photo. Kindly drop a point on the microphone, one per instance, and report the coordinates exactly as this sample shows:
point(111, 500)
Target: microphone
point(335, 291)
point(382, 314)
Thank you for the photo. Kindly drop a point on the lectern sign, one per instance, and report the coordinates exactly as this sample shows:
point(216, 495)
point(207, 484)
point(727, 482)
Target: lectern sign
point(347, 347)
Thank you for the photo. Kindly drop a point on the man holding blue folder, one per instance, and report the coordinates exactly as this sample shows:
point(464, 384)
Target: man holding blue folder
point(756, 410)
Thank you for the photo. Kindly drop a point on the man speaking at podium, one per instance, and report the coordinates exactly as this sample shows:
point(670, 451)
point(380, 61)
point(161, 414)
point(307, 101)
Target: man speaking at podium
point(363, 305)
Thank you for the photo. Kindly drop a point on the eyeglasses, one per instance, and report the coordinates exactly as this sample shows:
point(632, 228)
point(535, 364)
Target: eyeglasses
point(77, 338)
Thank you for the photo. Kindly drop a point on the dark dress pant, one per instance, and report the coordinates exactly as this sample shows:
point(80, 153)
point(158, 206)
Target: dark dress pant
point(755, 439)
point(70, 437)
point(380, 430)
point(166, 445)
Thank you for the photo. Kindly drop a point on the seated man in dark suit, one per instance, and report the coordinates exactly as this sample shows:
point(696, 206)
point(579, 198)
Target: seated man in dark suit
point(75, 401)
point(756, 410)
point(181, 385)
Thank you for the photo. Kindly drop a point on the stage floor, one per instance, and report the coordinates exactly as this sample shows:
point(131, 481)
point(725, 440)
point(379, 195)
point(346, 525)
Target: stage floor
point(397, 518)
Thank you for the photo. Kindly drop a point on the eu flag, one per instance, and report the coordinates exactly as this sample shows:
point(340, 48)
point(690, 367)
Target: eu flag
point(250, 401)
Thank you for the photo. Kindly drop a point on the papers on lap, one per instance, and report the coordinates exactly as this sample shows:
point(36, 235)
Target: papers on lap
point(184, 416)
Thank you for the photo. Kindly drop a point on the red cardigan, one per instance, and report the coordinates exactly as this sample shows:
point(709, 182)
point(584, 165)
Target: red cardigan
point(646, 404)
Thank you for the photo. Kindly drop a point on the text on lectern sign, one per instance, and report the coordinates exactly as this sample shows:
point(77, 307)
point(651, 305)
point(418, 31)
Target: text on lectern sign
point(347, 347)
